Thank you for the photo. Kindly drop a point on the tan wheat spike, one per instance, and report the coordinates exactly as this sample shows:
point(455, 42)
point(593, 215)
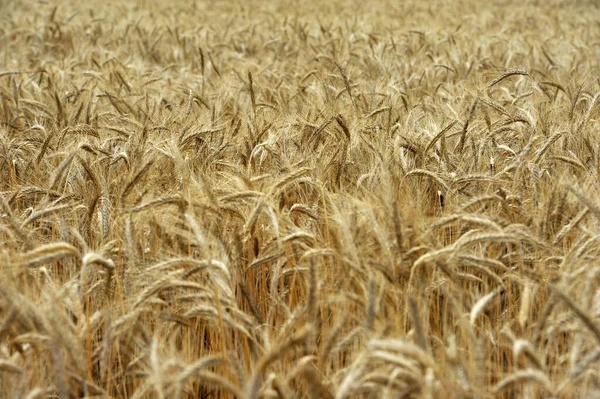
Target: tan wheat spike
point(176, 263)
point(347, 341)
point(204, 363)
point(481, 304)
point(298, 367)
point(266, 259)
point(155, 287)
point(95, 258)
point(477, 237)
point(216, 380)
point(588, 112)
point(199, 293)
point(243, 195)
point(585, 362)
point(580, 313)
point(299, 236)
point(566, 229)
point(437, 137)
point(9, 73)
point(478, 200)
point(469, 219)
point(348, 87)
point(12, 221)
point(210, 312)
point(10, 367)
point(494, 276)
point(475, 178)
point(44, 212)
point(291, 320)
point(431, 175)
point(521, 346)
point(432, 256)
point(136, 179)
point(529, 375)
point(305, 210)
point(278, 388)
point(510, 72)
point(253, 217)
point(526, 302)
point(352, 378)
point(571, 161)
point(378, 111)
point(540, 153)
point(39, 393)
point(48, 253)
point(587, 202)
point(319, 387)
point(414, 355)
point(487, 262)
point(322, 252)
point(290, 178)
point(300, 338)
point(159, 202)
point(452, 353)
point(198, 134)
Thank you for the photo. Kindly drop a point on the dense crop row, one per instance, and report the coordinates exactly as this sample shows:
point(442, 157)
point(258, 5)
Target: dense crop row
point(318, 199)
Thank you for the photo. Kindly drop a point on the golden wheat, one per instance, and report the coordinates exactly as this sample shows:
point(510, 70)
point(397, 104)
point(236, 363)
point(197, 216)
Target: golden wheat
point(316, 199)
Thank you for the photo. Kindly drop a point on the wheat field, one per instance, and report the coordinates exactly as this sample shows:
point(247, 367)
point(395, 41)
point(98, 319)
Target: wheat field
point(339, 199)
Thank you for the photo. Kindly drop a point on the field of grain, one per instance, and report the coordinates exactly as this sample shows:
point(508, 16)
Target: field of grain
point(340, 199)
